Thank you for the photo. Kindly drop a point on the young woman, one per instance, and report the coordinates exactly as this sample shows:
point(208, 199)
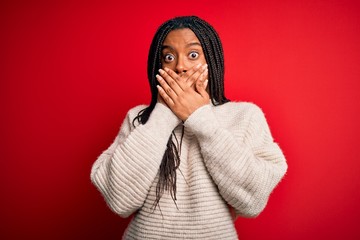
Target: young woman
point(189, 163)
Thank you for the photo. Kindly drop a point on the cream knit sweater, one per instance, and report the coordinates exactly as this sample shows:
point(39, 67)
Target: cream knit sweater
point(228, 158)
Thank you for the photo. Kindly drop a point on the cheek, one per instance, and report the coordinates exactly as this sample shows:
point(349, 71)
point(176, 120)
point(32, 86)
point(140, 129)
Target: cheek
point(193, 63)
point(171, 65)
point(202, 59)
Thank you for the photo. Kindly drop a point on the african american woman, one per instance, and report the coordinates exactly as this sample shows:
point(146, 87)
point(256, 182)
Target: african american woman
point(186, 165)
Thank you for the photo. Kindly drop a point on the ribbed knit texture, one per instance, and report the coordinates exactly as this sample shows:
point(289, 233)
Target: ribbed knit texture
point(228, 158)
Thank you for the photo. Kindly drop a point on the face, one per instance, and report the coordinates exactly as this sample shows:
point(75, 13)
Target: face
point(181, 51)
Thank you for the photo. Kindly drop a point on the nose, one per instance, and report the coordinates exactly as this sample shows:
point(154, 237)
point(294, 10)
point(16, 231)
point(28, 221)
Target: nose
point(181, 66)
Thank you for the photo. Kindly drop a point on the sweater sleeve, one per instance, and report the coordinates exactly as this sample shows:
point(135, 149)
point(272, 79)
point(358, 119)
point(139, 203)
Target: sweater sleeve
point(245, 164)
point(125, 171)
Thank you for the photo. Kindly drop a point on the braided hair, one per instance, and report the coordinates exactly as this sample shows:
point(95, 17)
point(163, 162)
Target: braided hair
point(213, 51)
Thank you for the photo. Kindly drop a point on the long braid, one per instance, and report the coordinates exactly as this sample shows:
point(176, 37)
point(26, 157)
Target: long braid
point(214, 56)
point(213, 51)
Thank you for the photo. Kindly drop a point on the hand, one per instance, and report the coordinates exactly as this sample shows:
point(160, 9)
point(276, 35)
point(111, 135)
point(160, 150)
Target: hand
point(184, 94)
point(185, 80)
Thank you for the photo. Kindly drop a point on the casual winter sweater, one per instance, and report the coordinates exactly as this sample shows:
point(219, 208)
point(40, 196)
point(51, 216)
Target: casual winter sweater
point(228, 160)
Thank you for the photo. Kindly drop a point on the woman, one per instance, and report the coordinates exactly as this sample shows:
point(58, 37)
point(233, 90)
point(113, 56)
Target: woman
point(191, 161)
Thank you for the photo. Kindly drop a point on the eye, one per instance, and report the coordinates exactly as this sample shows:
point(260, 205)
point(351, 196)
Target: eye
point(169, 58)
point(194, 55)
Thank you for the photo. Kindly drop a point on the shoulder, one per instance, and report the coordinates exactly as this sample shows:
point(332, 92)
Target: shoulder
point(238, 109)
point(134, 111)
point(127, 124)
point(238, 116)
point(244, 119)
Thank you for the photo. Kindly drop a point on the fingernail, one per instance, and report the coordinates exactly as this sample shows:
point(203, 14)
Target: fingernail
point(161, 71)
point(206, 83)
point(158, 76)
point(205, 66)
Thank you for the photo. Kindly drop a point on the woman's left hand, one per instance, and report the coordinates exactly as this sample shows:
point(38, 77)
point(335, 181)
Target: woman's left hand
point(180, 96)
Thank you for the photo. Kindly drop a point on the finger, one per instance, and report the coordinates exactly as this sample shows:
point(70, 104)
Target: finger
point(165, 87)
point(185, 75)
point(195, 76)
point(165, 97)
point(192, 70)
point(203, 76)
point(179, 79)
point(172, 74)
point(201, 88)
point(160, 99)
point(205, 84)
point(201, 79)
point(176, 77)
point(172, 82)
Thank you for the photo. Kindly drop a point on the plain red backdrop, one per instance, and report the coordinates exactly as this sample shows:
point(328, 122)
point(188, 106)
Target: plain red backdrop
point(70, 71)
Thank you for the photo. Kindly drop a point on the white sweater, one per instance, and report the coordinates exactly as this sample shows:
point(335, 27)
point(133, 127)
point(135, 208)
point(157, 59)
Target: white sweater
point(228, 158)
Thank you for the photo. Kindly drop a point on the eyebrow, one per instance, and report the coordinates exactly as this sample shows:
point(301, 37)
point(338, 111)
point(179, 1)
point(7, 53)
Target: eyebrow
point(187, 45)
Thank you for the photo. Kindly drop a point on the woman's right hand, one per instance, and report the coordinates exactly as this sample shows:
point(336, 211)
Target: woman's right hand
point(188, 79)
point(186, 93)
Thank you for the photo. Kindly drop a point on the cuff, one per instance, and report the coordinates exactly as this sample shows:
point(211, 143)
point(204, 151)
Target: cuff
point(163, 118)
point(202, 122)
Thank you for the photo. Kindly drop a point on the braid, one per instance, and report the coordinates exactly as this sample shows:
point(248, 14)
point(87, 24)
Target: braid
point(214, 56)
point(154, 64)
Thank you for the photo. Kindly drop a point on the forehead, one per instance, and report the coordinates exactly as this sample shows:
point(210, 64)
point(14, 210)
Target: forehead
point(179, 37)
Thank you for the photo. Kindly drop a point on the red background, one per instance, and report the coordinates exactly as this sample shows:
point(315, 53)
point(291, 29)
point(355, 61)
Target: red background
point(70, 71)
